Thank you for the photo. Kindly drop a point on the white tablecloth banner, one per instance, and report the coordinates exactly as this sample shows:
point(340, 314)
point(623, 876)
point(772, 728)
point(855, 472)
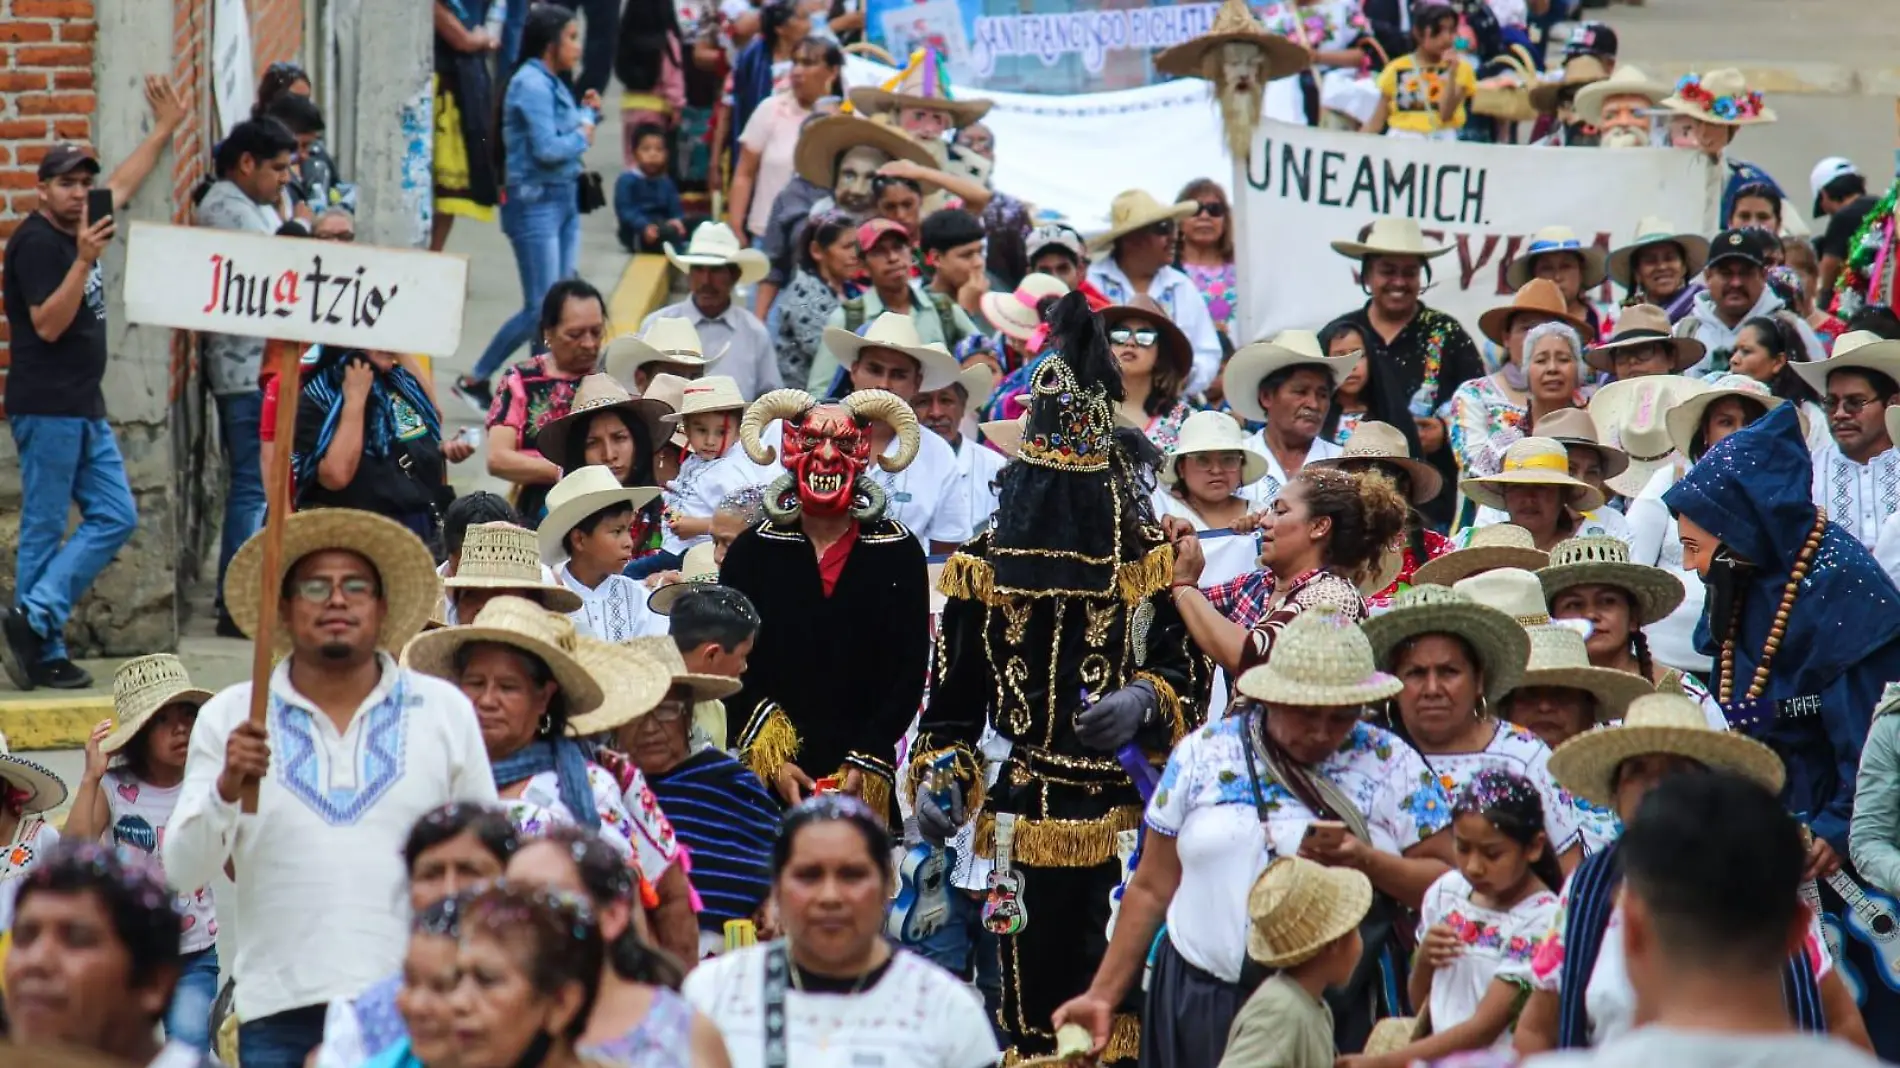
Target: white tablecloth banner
point(1305, 188)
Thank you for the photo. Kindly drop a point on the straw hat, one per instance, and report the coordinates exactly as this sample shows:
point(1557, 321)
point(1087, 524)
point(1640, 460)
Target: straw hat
point(1382, 444)
point(696, 570)
point(405, 570)
point(502, 556)
point(1251, 365)
point(1005, 434)
point(517, 623)
point(1391, 1035)
point(45, 790)
point(1645, 324)
point(1684, 418)
point(1655, 230)
point(714, 393)
point(1322, 660)
point(1579, 72)
point(979, 384)
point(669, 340)
point(1389, 236)
point(669, 389)
point(1212, 432)
point(1014, 313)
point(1298, 908)
point(1511, 590)
point(897, 332)
point(1498, 640)
point(1659, 723)
point(1856, 348)
point(1605, 561)
point(1721, 96)
point(662, 650)
point(599, 393)
point(141, 687)
point(1487, 549)
point(923, 83)
point(1234, 23)
point(1631, 413)
point(1626, 80)
point(715, 245)
point(1533, 462)
point(822, 141)
point(1539, 296)
point(584, 491)
point(1133, 209)
point(1171, 344)
point(631, 683)
point(1561, 659)
point(1574, 428)
point(1552, 239)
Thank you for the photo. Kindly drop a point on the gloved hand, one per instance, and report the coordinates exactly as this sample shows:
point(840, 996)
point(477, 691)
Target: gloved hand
point(1112, 721)
point(936, 825)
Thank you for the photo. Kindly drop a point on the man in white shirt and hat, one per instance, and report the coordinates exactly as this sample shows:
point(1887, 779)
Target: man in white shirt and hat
point(1288, 384)
point(1135, 255)
point(1857, 473)
point(945, 412)
point(715, 263)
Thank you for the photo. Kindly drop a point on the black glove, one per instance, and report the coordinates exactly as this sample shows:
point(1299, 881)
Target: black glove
point(1112, 721)
point(936, 825)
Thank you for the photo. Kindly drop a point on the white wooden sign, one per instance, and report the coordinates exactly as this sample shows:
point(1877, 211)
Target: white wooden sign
point(295, 289)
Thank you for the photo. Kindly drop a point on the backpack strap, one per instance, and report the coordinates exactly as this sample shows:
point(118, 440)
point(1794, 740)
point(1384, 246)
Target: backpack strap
point(853, 313)
point(946, 319)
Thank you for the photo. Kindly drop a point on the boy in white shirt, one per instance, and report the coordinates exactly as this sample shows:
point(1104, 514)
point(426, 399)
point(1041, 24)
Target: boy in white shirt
point(586, 538)
point(709, 414)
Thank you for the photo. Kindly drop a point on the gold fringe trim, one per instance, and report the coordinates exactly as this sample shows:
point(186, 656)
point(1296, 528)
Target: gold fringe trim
point(1138, 579)
point(1171, 706)
point(967, 770)
point(1124, 1038)
point(775, 742)
point(875, 789)
point(1060, 843)
point(967, 578)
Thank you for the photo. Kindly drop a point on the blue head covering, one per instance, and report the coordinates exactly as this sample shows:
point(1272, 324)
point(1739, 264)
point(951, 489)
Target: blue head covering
point(1745, 174)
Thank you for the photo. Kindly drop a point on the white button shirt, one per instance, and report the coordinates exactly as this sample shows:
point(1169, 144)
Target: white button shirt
point(1858, 497)
point(977, 467)
point(1262, 492)
point(749, 357)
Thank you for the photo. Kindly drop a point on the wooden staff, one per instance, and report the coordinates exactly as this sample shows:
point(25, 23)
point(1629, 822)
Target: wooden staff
point(285, 356)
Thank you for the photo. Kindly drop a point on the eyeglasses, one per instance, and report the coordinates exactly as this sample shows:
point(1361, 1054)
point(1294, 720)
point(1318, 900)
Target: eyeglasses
point(320, 590)
point(669, 711)
point(1122, 335)
point(1849, 405)
point(1162, 229)
point(1213, 209)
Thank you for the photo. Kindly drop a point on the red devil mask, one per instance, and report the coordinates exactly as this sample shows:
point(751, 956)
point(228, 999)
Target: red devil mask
point(826, 450)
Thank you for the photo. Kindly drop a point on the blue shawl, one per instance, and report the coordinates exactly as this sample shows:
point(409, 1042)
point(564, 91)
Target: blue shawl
point(324, 385)
point(567, 759)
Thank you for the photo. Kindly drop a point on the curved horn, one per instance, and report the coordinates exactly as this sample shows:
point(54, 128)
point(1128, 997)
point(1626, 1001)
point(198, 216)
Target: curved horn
point(883, 405)
point(778, 404)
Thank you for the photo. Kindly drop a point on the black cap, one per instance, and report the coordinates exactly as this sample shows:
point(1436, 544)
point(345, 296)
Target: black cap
point(65, 156)
point(1591, 39)
point(1743, 244)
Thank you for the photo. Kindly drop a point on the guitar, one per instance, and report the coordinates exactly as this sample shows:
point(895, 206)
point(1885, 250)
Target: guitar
point(922, 904)
point(1872, 919)
point(1831, 934)
point(1003, 911)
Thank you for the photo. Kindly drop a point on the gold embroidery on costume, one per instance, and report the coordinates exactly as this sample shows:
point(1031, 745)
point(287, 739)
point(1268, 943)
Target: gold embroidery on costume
point(1015, 674)
point(1015, 620)
point(1095, 671)
point(1100, 618)
point(769, 745)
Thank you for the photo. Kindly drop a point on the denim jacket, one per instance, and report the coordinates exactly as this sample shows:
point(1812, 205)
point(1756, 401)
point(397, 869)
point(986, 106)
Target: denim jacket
point(541, 128)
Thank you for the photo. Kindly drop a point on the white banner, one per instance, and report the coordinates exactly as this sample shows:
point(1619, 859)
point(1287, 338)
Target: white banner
point(295, 289)
point(1305, 188)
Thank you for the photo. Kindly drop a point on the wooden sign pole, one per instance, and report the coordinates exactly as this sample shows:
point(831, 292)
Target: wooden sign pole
point(285, 356)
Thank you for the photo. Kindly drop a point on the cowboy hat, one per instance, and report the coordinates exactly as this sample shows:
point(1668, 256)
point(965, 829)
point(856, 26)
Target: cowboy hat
point(714, 393)
point(1605, 561)
point(631, 684)
point(45, 790)
point(598, 393)
point(1486, 549)
point(898, 333)
point(1170, 344)
point(1389, 236)
point(502, 556)
point(1497, 640)
point(405, 570)
point(669, 389)
point(1721, 96)
point(1378, 444)
point(1234, 24)
point(1212, 432)
point(519, 624)
point(1252, 365)
point(715, 245)
point(1645, 324)
point(1855, 349)
point(1297, 908)
point(1560, 659)
point(1329, 664)
point(1533, 461)
point(1575, 429)
point(1659, 723)
point(1684, 418)
point(1539, 296)
point(1014, 313)
point(1133, 209)
point(668, 339)
point(1579, 72)
point(662, 650)
point(581, 493)
point(822, 142)
point(1624, 81)
point(141, 687)
point(979, 384)
point(923, 83)
point(1511, 590)
point(1554, 239)
point(1006, 435)
point(1630, 413)
point(1655, 230)
point(696, 570)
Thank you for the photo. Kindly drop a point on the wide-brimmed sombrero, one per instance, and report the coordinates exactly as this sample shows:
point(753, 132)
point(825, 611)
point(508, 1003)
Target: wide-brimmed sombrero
point(1684, 418)
point(1721, 96)
point(1486, 549)
point(662, 650)
point(1655, 230)
point(405, 570)
point(1632, 413)
point(713, 244)
point(1497, 640)
point(1014, 313)
point(1391, 236)
point(1297, 908)
point(1234, 23)
point(1321, 660)
point(1862, 349)
point(1560, 659)
point(697, 571)
point(669, 340)
point(1211, 432)
point(1383, 445)
point(502, 556)
point(631, 684)
point(517, 623)
point(898, 333)
point(44, 790)
point(1538, 296)
point(1251, 365)
point(1645, 324)
point(1533, 461)
point(1133, 209)
point(584, 491)
point(1605, 561)
point(598, 393)
point(1574, 428)
point(923, 83)
point(1625, 80)
point(1553, 239)
point(1579, 72)
point(141, 687)
point(1659, 723)
point(822, 141)
point(1171, 344)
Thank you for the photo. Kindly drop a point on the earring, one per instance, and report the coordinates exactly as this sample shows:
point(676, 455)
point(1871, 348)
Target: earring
point(547, 723)
point(1481, 710)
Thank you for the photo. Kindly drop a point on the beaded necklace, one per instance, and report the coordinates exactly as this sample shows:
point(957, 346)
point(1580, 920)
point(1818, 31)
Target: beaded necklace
point(1760, 681)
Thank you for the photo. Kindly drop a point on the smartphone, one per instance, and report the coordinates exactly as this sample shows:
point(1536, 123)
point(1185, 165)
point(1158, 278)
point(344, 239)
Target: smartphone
point(826, 785)
point(1327, 832)
point(98, 205)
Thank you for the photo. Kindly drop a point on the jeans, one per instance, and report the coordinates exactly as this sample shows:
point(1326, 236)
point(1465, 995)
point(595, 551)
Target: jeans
point(188, 1019)
point(543, 224)
point(66, 460)
point(597, 50)
point(281, 1041)
point(514, 20)
point(238, 417)
point(963, 943)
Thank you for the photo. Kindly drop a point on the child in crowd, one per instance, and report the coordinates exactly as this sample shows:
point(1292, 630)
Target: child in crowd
point(646, 201)
point(1306, 927)
point(709, 413)
point(587, 538)
point(135, 763)
point(1424, 94)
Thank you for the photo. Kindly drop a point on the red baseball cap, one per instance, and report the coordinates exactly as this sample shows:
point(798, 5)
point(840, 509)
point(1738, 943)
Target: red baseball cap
point(871, 230)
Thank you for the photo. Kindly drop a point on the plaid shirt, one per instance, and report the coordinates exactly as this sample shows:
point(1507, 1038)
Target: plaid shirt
point(1243, 599)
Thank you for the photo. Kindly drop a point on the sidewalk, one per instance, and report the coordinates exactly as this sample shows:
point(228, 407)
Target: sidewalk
point(1782, 46)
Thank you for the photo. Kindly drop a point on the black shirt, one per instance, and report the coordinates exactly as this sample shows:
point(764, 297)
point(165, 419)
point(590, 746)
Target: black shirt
point(381, 485)
point(1843, 225)
point(53, 377)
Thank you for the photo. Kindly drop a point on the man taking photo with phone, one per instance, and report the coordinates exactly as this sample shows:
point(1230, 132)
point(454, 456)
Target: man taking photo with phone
point(54, 289)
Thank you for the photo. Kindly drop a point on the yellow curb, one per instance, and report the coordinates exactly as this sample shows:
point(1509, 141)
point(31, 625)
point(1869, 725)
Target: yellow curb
point(40, 723)
point(641, 290)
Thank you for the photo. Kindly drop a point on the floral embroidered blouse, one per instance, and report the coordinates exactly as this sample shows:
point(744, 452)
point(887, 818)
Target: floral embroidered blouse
point(1436, 545)
point(1220, 287)
point(1484, 421)
point(630, 817)
point(1313, 589)
point(1521, 753)
point(1165, 429)
point(529, 395)
point(1497, 945)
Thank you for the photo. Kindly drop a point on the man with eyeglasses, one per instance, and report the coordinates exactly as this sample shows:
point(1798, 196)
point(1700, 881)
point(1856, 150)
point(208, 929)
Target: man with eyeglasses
point(1857, 473)
point(1140, 260)
point(353, 750)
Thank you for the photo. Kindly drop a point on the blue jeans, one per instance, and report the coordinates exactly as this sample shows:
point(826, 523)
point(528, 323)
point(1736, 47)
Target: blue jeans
point(281, 1041)
point(543, 224)
point(66, 460)
point(963, 944)
point(513, 22)
point(188, 1018)
point(238, 417)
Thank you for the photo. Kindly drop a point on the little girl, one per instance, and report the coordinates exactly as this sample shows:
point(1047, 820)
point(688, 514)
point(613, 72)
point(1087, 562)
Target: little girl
point(709, 415)
point(1481, 922)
